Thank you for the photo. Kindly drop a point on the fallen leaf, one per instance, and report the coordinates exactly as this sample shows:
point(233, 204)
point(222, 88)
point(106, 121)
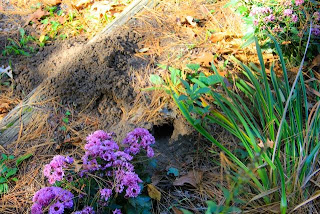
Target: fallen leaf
point(190, 21)
point(77, 166)
point(286, 42)
point(204, 59)
point(315, 61)
point(261, 145)
point(176, 210)
point(143, 50)
point(81, 3)
point(270, 143)
point(52, 2)
point(216, 37)
point(153, 192)
point(38, 14)
point(193, 178)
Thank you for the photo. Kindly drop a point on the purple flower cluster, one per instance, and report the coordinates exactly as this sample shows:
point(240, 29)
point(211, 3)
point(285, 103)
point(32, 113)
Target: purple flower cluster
point(54, 170)
point(116, 211)
point(58, 199)
point(102, 153)
point(86, 210)
point(137, 139)
point(299, 2)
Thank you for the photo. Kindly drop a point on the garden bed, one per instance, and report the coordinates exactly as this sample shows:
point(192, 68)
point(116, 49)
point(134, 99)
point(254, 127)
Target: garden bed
point(74, 87)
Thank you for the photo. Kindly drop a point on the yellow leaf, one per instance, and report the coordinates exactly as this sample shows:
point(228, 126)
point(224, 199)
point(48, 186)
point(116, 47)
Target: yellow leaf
point(41, 38)
point(154, 192)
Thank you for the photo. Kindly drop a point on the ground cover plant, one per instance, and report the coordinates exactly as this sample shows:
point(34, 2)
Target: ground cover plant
point(108, 179)
point(287, 21)
point(276, 125)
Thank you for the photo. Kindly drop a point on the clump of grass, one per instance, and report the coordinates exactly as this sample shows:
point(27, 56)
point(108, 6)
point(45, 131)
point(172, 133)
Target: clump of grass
point(275, 123)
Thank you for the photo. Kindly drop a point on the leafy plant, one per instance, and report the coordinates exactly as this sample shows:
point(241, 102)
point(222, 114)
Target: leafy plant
point(19, 48)
point(65, 120)
point(286, 20)
point(7, 174)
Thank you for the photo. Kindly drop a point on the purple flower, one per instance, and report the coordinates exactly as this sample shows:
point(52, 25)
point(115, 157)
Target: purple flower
point(47, 195)
point(56, 208)
point(294, 18)
point(315, 31)
point(255, 22)
point(86, 210)
point(137, 139)
point(316, 16)
point(299, 2)
point(105, 193)
point(269, 18)
point(116, 211)
point(54, 170)
point(36, 209)
point(150, 152)
point(287, 12)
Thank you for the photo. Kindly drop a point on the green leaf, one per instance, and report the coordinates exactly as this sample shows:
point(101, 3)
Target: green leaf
point(1, 188)
point(3, 180)
point(4, 156)
point(203, 90)
point(68, 113)
point(184, 211)
point(173, 171)
point(14, 179)
point(182, 97)
point(249, 41)
point(65, 120)
point(22, 158)
point(156, 79)
point(5, 188)
point(10, 157)
point(140, 201)
point(162, 66)
point(22, 32)
point(11, 171)
point(194, 67)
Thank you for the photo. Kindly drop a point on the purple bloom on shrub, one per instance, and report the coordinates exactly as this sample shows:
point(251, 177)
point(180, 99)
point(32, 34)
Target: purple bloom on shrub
point(36, 209)
point(269, 18)
point(54, 170)
point(294, 18)
point(316, 16)
point(56, 208)
point(45, 196)
point(315, 31)
point(86, 210)
point(116, 211)
point(105, 193)
point(287, 12)
point(299, 2)
point(150, 152)
point(137, 139)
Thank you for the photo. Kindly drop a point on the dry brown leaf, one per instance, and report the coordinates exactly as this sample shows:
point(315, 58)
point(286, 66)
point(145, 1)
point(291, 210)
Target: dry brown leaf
point(270, 143)
point(216, 37)
point(101, 8)
point(77, 165)
point(315, 61)
point(52, 2)
point(176, 210)
point(153, 192)
point(204, 59)
point(193, 178)
point(261, 145)
point(81, 3)
point(34, 17)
